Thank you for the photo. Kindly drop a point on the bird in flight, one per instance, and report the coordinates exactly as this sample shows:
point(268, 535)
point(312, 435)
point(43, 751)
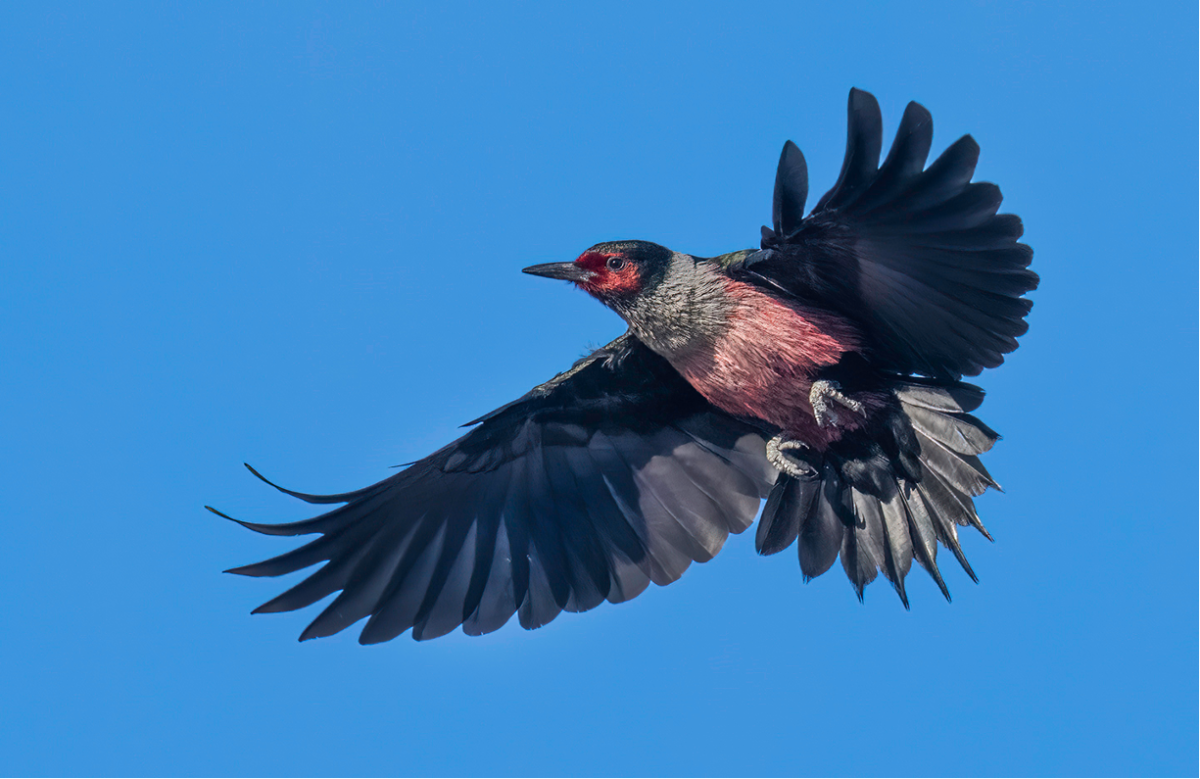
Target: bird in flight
point(821, 371)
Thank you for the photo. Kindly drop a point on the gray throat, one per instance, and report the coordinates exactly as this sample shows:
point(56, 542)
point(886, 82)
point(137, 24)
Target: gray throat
point(686, 311)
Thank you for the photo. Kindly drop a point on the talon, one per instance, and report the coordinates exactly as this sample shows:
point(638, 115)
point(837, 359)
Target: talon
point(823, 395)
point(795, 467)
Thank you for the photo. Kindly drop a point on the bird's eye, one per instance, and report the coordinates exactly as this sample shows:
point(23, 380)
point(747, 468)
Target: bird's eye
point(615, 263)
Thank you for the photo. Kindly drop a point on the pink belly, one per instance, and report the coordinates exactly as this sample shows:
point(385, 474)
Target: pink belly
point(765, 365)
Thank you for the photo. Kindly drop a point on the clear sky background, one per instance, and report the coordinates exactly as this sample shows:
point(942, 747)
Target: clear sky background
point(291, 234)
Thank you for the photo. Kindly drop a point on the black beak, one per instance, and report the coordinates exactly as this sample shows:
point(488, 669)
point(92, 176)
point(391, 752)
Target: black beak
point(567, 271)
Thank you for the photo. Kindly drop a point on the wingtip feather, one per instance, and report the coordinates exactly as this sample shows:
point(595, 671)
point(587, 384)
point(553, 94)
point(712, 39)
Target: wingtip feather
point(256, 527)
point(791, 191)
point(861, 98)
point(305, 496)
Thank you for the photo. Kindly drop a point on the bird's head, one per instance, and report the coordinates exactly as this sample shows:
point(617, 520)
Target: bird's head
point(616, 273)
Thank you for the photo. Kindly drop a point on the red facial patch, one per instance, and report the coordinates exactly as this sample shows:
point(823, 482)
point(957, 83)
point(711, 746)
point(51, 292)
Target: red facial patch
point(606, 280)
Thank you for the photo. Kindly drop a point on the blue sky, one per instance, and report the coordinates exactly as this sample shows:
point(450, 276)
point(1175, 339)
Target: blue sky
point(291, 234)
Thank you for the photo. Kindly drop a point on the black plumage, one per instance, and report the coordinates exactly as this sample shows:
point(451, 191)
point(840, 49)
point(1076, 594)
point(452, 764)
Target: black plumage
point(620, 471)
point(918, 257)
point(555, 502)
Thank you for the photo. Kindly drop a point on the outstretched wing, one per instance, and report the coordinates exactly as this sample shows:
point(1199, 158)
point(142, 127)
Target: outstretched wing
point(917, 256)
point(613, 474)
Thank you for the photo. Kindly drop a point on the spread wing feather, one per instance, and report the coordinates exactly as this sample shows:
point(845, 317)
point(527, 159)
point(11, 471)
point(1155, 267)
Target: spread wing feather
point(917, 256)
point(613, 474)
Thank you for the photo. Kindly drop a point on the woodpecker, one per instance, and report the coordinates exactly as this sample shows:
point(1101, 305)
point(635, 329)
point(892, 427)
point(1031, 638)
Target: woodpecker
point(821, 371)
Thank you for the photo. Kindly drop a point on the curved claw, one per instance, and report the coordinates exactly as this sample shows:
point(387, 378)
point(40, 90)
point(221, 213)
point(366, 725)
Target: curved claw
point(823, 395)
point(796, 467)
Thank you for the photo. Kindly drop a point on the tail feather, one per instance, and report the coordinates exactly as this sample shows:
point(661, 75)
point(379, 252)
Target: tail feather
point(961, 471)
point(789, 503)
point(956, 503)
point(899, 546)
point(875, 513)
point(960, 398)
point(922, 533)
point(961, 433)
point(862, 545)
point(823, 531)
point(946, 511)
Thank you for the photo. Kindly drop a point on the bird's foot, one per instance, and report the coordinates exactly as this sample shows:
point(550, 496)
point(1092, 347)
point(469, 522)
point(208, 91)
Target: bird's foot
point(826, 397)
point(794, 466)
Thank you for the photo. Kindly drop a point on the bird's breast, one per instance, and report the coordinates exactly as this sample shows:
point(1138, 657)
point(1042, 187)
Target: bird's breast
point(764, 362)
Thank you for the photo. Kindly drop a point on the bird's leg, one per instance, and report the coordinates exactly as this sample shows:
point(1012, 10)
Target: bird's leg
point(796, 467)
point(825, 397)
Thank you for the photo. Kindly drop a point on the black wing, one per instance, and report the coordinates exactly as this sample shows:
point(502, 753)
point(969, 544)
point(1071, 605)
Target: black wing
point(917, 256)
point(613, 474)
